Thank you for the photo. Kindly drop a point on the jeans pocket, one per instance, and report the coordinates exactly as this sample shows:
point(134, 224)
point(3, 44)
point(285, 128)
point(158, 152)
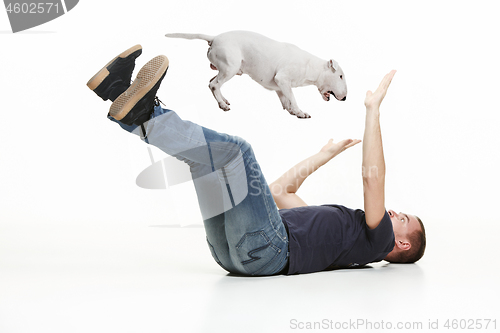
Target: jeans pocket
point(256, 252)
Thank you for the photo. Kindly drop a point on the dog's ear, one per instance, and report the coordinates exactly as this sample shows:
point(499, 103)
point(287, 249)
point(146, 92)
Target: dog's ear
point(333, 65)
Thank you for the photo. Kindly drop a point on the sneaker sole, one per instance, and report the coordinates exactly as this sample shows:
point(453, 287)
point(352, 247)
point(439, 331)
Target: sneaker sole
point(146, 79)
point(97, 79)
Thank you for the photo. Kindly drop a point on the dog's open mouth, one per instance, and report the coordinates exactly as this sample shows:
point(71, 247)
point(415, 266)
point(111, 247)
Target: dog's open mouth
point(326, 95)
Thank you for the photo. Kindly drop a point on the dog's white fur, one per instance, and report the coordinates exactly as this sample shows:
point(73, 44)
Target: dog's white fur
point(274, 65)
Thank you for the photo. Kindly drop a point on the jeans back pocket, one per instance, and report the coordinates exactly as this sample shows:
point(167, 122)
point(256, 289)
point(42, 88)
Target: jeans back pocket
point(256, 252)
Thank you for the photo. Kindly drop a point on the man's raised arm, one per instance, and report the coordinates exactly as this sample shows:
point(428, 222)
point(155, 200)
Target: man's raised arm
point(284, 189)
point(373, 156)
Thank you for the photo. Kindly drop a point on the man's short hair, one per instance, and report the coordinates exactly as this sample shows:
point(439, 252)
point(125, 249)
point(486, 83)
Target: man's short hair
point(418, 243)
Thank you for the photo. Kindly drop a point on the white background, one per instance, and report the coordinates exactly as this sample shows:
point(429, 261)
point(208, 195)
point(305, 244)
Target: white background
point(69, 205)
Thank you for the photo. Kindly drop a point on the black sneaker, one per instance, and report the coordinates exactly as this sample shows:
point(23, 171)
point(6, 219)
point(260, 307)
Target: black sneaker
point(114, 78)
point(136, 104)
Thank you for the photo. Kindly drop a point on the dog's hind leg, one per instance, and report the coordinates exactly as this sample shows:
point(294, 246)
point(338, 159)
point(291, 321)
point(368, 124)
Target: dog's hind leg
point(228, 63)
point(215, 85)
point(222, 97)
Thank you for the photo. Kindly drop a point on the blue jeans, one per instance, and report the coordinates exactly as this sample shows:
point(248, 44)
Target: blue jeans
point(244, 230)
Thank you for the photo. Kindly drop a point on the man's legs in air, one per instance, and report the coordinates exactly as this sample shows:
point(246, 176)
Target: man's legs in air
point(244, 230)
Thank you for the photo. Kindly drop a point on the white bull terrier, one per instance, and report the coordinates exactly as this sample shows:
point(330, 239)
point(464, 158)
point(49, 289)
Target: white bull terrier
point(274, 65)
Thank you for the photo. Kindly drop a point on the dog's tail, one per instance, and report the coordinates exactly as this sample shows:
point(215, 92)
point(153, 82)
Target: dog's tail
point(208, 38)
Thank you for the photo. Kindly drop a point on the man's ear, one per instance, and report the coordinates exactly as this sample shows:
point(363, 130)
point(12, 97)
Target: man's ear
point(403, 244)
point(332, 65)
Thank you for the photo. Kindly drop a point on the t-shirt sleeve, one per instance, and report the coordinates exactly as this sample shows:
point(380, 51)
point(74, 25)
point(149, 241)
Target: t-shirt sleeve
point(382, 237)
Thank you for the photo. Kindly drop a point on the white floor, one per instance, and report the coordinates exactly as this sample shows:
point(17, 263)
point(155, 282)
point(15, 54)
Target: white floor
point(162, 279)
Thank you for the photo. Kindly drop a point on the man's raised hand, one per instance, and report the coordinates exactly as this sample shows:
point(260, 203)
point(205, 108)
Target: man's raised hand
point(374, 99)
point(335, 148)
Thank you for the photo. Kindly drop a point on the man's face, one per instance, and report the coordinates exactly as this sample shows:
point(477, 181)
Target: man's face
point(403, 224)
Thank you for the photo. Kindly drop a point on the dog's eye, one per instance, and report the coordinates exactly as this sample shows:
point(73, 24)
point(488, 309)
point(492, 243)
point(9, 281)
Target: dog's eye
point(341, 77)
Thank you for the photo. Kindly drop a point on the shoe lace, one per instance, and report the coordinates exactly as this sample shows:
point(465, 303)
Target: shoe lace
point(157, 101)
point(144, 134)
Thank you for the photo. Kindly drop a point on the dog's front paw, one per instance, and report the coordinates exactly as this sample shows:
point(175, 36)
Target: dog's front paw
point(300, 114)
point(224, 106)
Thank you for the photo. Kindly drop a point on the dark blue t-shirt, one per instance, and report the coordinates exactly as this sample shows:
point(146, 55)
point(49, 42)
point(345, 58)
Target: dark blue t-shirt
point(332, 235)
